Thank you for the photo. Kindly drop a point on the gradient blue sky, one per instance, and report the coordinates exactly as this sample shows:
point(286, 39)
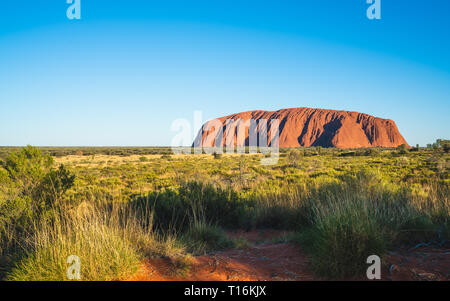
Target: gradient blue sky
point(127, 69)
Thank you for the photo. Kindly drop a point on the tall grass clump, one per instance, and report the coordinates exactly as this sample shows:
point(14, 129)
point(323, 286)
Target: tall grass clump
point(285, 210)
point(342, 237)
point(105, 250)
point(434, 199)
point(175, 210)
point(365, 216)
point(110, 245)
point(202, 238)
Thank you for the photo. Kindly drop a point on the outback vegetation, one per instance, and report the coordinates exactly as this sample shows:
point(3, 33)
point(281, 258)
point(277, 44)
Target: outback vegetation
point(114, 207)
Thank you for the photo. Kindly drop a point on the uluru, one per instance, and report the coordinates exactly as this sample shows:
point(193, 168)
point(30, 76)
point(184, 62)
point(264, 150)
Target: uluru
point(304, 127)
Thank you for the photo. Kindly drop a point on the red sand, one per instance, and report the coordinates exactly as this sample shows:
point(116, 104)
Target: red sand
point(424, 264)
point(264, 260)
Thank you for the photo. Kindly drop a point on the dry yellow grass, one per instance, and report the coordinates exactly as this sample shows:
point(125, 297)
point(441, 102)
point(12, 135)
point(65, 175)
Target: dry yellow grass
point(109, 159)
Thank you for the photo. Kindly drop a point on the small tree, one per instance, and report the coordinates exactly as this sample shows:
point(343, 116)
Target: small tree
point(32, 173)
point(443, 144)
point(28, 167)
point(402, 149)
point(446, 146)
point(53, 186)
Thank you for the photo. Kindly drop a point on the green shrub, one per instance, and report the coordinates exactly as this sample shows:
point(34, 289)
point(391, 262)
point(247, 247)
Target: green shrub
point(16, 218)
point(31, 172)
point(29, 189)
point(216, 205)
point(202, 238)
point(348, 154)
point(402, 149)
point(170, 212)
point(372, 152)
point(53, 186)
point(4, 178)
point(27, 168)
point(364, 216)
point(175, 210)
point(342, 237)
point(294, 156)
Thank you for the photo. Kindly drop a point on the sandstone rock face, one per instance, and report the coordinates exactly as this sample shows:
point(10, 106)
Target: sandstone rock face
point(303, 127)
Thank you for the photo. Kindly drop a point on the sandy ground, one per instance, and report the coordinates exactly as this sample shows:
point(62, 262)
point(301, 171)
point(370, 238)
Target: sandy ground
point(260, 261)
point(266, 259)
point(422, 264)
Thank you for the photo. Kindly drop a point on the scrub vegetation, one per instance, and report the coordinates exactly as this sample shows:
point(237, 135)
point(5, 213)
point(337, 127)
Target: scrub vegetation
point(114, 207)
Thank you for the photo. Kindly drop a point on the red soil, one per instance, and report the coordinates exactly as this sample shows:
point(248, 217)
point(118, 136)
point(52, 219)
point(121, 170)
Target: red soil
point(262, 261)
point(424, 264)
point(266, 259)
point(310, 127)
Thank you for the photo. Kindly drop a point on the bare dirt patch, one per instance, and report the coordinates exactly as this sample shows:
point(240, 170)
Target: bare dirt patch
point(262, 261)
point(421, 264)
point(266, 258)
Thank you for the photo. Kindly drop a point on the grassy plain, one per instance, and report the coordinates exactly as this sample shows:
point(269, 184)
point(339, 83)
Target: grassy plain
point(126, 204)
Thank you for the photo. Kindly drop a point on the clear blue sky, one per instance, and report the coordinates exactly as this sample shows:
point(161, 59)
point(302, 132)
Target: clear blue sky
point(127, 69)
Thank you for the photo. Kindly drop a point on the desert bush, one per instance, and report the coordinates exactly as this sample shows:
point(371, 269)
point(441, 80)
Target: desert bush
point(402, 149)
point(446, 146)
point(364, 216)
point(16, 217)
point(372, 152)
point(31, 172)
point(342, 237)
point(27, 168)
point(53, 186)
point(29, 188)
point(4, 178)
point(294, 156)
point(284, 210)
point(348, 154)
point(170, 213)
point(176, 209)
point(202, 238)
point(103, 252)
point(218, 206)
point(33, 187)
point(110, 243)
